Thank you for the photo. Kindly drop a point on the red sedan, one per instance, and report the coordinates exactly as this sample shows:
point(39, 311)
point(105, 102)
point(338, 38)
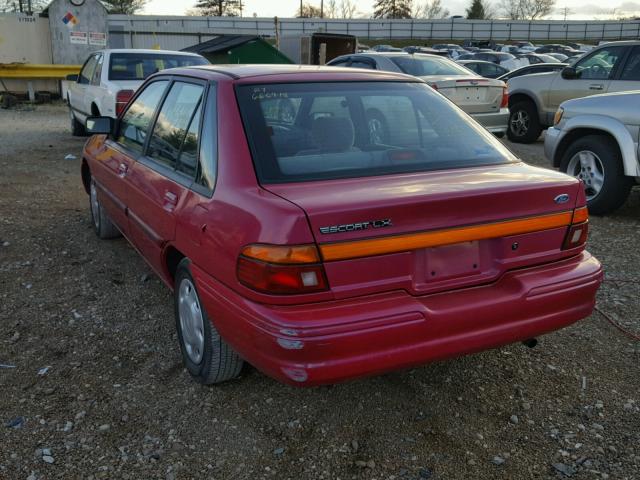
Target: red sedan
point(325, 224)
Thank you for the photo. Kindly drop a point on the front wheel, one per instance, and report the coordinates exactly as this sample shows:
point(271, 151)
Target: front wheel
point(524, 124)
point(596, 161)
point(206, 355)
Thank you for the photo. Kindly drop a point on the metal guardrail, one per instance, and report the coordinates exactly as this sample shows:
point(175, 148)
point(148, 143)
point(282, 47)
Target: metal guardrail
point(30, 70)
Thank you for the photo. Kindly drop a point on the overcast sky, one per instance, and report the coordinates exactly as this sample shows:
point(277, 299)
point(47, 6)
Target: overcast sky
point(287, 8)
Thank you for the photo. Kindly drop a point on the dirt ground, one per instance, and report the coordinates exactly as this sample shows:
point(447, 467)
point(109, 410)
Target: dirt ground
point(92, 384)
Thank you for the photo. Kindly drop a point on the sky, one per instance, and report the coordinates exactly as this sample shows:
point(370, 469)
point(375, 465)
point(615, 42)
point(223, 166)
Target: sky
point(578, 9)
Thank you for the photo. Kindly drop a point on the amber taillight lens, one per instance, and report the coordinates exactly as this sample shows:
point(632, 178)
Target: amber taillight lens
point(578, 230)
point(122, 98)
point(505, 98)
point(281, 269)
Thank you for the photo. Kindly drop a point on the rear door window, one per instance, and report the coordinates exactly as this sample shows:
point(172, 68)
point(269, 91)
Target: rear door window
point(136, 120)
point(631, 70)
point(174, 140)
point(98, 71)
point(599, 65)
point(86, 74)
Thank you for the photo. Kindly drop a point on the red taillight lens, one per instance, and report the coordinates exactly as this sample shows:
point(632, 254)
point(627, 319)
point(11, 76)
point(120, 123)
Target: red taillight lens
point(280, 269)
point(505, 98)
point(122, 98)
point(578, 230)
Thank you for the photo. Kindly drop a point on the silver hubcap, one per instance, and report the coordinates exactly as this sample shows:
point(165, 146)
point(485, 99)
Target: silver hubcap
point(376, 133)
point(95, 206)
point(191, 322)
point(587, 166)
point(520, 123)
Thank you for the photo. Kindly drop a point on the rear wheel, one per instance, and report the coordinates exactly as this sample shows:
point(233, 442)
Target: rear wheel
point(524, 124)
point(102, 225)
point(206, 355)
point(77, 129)
point(596, 161)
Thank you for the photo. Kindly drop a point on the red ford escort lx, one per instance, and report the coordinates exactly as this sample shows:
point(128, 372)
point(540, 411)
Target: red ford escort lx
point(325, 224)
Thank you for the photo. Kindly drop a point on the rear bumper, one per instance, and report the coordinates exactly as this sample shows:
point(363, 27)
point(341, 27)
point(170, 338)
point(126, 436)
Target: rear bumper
point(495, 122)
point(334, 341)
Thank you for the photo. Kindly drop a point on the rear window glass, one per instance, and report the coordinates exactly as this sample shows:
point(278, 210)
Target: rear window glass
point(419, 66)
point(314, 131)
point(138, 66)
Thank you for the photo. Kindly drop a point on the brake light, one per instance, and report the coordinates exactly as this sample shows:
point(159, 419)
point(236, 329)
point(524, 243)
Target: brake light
point(122, 98)
point(281, 269)
point(578, 230)
point(505, 98)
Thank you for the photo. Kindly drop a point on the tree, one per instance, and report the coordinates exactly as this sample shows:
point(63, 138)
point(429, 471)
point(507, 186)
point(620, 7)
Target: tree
point(219, 8)
point(331, 9)
point(15, 6)
point(392, 9)
point(430, 9)
point(124, 7)
point(476, 10)
point(308, 11)
point(526, 9)
point(347, 9)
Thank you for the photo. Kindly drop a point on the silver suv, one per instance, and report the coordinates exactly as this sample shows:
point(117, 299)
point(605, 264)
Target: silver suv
point(534, 99)
point(596, 140)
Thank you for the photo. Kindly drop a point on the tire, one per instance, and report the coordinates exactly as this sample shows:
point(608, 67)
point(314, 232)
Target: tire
point(102, 225)
point(524, 123)
point(592, 156)
point(208, 358)
point(77, 129)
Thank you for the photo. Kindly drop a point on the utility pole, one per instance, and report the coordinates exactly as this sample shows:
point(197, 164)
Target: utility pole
point(566, 11)
point(321, 8)
point(301, 8)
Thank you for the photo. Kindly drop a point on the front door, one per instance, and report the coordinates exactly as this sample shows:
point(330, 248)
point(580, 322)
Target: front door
point(159, 182)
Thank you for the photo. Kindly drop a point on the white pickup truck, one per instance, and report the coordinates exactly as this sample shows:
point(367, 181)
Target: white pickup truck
point(110, 77)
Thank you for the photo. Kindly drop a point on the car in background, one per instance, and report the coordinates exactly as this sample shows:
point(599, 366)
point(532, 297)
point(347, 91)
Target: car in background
point(535, 58)
point(557, 48)
point(430, 51)
point(531, 69)
point(385, 48)
point(559, 56)
point(109, 78)
point(507, 60)
point(595, 139)
point(484, 69)
point(483, 98)
point(534, 99)
point(294, 236)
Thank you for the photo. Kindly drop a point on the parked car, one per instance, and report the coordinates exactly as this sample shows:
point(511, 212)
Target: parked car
point(535, 58)
point(558, 56)
point(430, 51)
point(595, 139)
point(500, 58)
point(109, 78)
point(484, 69)
point(484, 99)
point(556, 48)
point(385, 48)
point(448, 46)
point(292, 230)
point(534, 99)
point(531, 69)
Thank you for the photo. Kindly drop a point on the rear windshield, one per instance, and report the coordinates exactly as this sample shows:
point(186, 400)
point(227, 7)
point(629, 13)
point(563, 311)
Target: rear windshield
point(420, 66)
point(315, 131)
point(138, 66)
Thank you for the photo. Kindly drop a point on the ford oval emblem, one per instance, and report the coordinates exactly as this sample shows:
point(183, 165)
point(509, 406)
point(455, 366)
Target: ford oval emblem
point(562, 198)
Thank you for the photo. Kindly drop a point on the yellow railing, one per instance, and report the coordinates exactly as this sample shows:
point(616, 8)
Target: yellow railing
point(30, 70)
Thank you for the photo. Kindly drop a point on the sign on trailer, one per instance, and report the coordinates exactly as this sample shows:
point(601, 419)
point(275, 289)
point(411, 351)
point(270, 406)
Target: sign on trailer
point(79, 38)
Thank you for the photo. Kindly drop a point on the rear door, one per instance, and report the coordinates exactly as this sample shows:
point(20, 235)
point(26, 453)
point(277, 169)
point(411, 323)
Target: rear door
point(161, 178)
point(78, 91)
point(113, 162)
point(93, 93)
point(628, 77)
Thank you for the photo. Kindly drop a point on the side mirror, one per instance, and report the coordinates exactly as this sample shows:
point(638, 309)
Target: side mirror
point(569, 73)
point(100, 125)
point(72, 77)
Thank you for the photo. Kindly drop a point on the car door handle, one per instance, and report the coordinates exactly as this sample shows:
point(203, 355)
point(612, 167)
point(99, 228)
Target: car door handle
point(170, 201)
point(122, 170)
point(596, 86)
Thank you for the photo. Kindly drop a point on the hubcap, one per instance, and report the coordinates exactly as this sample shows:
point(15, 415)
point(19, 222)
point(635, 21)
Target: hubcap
point(191, 322)
point(520, 123)
point(587, 166)
point(95, 206)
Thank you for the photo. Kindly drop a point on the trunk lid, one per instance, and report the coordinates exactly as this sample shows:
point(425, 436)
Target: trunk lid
point(472, 94)
point(400, 207)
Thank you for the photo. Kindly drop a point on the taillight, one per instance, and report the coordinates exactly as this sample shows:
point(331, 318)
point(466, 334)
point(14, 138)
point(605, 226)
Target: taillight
point(122, 98)
point(505, 98)
point(281, 269)
point(578, 230)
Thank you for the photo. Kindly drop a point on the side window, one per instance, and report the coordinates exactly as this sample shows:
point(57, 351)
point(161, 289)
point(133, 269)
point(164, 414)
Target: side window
point(341, 63)
point(206, 177)
point(396, 126)
point(599, 65)
point(172, 130)
point(98, 72)
point(136, 120)
point(86, 74)
point(631, 69)
point(475, 67)
point(356, 63)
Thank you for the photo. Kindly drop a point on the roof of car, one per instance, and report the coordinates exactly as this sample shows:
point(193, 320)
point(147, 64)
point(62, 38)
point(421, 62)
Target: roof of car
point(257, 71)
point(465, 62)
point(148, 50)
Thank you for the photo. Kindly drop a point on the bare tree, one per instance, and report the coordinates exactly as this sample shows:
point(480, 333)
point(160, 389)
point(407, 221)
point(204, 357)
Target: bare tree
point(526, 9)
point(347, 9)
point(308, 11)
point(124, 7)
point(331, 9)
point(219, 8)
point(429, 9)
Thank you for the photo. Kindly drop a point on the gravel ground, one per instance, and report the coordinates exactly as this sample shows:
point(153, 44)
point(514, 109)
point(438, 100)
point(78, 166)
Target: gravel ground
point(99, 391)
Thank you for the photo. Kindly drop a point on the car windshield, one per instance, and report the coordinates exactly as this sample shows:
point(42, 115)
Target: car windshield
point(138, 66)
point(422, 66)
point(315, 131)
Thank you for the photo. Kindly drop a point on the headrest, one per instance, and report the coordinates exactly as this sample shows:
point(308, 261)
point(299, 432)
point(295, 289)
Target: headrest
point(334, 134)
